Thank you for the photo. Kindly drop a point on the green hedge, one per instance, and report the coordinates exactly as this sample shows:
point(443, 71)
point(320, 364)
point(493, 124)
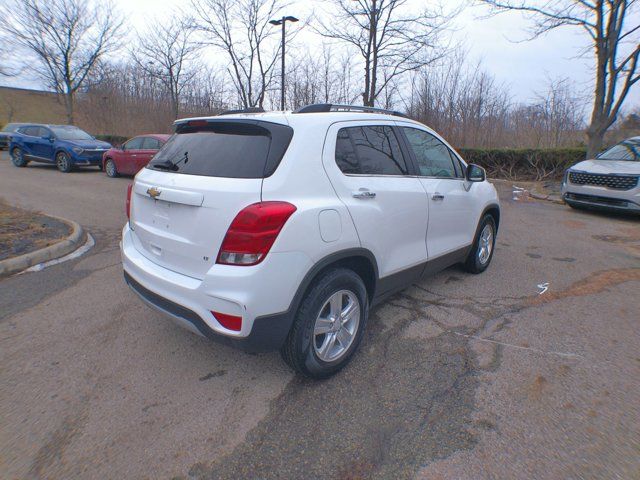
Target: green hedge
point(114, 140)
point(524, 164)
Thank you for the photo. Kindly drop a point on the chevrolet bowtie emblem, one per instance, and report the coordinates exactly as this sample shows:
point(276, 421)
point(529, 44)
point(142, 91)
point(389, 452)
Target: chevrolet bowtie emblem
point(153, 192)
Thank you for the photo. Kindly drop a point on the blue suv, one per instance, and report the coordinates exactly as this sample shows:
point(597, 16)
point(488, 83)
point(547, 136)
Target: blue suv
point(65, 145)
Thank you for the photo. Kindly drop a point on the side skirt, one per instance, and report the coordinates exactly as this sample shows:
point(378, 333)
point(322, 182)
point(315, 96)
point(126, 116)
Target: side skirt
point(396, 282)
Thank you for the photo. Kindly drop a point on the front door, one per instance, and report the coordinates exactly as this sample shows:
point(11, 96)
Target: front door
point(127, 161)
point(452, 211)
point(43, 147)
point(388, 206)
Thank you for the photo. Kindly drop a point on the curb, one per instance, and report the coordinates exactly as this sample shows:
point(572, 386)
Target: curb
point(548, 198)
point(13, 265)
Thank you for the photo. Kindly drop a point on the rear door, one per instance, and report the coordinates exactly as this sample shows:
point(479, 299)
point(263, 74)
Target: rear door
point(30, 140)
point(187, 197)
point(371, 175)
point(452, 221)
point(150, 147)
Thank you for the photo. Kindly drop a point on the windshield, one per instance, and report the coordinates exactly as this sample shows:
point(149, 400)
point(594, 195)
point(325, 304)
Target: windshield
point(628, 150)
point(70, 133)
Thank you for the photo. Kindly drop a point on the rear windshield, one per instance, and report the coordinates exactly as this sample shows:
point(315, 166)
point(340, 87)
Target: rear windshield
point(231, 150)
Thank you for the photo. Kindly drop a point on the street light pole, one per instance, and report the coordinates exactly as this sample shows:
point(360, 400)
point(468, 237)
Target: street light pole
point(282, 22)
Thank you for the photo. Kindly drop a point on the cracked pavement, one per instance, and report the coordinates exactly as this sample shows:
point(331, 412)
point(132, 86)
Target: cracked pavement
point(458, 377)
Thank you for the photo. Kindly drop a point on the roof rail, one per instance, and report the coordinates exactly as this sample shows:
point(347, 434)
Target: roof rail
point(331, 107)
point(243, 110)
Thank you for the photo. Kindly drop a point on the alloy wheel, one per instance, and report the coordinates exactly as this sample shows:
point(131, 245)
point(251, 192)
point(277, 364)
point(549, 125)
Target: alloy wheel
point(336, 326)
point(485, 244)
point(62, 161)
point(110, 168)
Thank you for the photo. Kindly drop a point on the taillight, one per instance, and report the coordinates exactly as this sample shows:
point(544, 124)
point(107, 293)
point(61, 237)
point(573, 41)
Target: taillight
point(253, 232)
point(128, 205)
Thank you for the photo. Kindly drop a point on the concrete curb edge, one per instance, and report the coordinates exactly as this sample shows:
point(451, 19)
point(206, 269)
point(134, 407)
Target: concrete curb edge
point(17, 264)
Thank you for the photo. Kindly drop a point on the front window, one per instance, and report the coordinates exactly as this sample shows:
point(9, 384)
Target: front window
point(628, 150)
point(70, 133)
point(433, 157)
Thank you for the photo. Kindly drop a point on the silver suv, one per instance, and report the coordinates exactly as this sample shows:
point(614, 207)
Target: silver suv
point(609, 182)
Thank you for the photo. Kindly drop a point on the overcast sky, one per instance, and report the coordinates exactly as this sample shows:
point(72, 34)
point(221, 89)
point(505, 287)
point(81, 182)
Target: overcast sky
point(525, 67)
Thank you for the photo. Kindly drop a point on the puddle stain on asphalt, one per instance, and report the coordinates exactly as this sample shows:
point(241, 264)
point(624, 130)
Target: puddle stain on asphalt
point(217, 373)
point(595, 283)
point(52, 451)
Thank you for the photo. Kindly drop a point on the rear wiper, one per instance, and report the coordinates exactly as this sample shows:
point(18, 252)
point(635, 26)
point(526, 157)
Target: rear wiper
point(170, 165)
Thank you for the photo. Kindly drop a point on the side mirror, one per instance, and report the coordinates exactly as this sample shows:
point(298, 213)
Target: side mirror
point(475, 173)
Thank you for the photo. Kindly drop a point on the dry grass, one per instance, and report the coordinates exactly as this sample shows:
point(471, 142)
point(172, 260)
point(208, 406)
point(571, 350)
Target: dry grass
point(22, 231)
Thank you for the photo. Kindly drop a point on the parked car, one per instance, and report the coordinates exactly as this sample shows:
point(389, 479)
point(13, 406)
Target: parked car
point(65, 145)
point(280, 230)
point(5, 134)
point(608, 182)
point(133, 155)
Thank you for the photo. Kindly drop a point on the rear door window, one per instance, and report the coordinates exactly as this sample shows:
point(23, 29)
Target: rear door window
point(224, 149)
point(369, 150)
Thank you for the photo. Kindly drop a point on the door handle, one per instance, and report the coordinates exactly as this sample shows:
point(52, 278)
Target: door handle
point(438, 197)
point(364, 194)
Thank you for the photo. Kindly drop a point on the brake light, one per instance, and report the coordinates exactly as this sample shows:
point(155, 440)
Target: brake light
point(231, 322)
point(128, 205)
point(197, 123)
point(252, 233)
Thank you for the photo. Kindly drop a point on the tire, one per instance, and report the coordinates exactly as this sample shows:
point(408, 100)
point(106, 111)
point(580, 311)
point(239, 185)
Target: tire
point(479, 258)
point(305, 349)
point(17, 157)
point(110, 168)
point(63, 162)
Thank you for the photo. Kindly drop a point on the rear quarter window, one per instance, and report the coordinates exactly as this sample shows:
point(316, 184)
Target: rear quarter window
point(225, 149)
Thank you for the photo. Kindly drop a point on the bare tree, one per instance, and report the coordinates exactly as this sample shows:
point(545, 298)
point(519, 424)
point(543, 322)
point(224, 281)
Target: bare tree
point(318, 78)
point(615, 45)
point(166, 52)
point(65, 37)
point(240, 28)
point(390, 39)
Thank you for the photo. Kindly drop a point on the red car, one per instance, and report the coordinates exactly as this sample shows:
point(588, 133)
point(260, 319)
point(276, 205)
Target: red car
point(133, 155)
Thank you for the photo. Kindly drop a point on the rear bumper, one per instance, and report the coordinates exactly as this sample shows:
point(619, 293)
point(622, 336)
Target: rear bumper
point(262, 298)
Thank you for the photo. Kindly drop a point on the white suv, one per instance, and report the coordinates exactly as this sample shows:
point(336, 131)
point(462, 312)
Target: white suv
point(280, 230)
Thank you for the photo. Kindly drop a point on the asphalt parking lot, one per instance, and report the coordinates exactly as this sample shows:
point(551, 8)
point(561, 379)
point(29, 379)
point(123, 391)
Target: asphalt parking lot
point(458, 377)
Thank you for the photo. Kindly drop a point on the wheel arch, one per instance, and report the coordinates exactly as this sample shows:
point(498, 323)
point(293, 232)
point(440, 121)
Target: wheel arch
point(360, 260)
point(492, 209)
